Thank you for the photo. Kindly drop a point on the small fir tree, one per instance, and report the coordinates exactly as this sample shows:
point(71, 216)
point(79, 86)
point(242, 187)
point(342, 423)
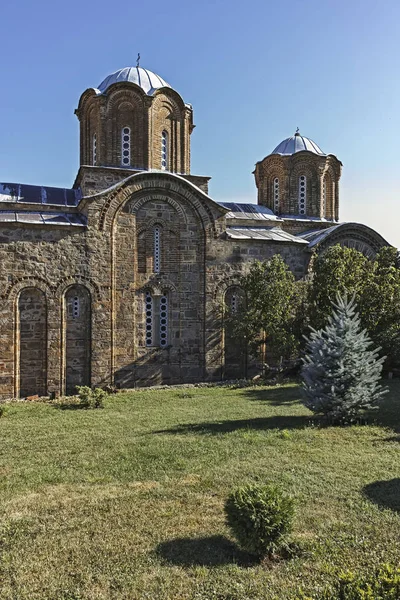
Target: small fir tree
point(341, 372)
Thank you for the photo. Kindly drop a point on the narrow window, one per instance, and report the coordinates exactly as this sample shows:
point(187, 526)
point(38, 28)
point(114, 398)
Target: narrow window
point(164, 320)
point(156, 311)
point(94, 150)
point(276, 194)
point(164, 150)
point(149, 319)
point(126, 147)
point(302, 194)
point(323, 198)
point(75, 307)
point(157, 250)
point(234, 304)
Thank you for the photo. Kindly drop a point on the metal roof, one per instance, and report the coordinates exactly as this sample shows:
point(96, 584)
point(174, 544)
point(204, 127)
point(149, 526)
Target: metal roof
point(147, 80)
point(249, 211)
point(36, 194)
point(40, 218)
point(297, 143)
point(271, 234)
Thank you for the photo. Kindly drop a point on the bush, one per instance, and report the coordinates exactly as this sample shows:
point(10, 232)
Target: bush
point(91, 398)
point(2, 410)
point(260, 517)
point(383, 584)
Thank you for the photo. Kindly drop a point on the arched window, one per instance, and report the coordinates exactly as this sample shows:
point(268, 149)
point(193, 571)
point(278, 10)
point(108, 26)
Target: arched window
point(126, 147)
point(164, 150)
point(302, 195)
point(163, 320)
point(276, 194)
point(94, 150)
point(149, 318)
point(156, 311)
point(323, 198)
point(157, 250)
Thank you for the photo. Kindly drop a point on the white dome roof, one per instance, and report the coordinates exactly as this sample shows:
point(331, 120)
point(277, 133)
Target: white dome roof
point(147, 80)
point(297, 143)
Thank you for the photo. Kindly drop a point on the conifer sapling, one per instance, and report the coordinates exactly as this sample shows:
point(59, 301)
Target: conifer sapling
point(341, 372)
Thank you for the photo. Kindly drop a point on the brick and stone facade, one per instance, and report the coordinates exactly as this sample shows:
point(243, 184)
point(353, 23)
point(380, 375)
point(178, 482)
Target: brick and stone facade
point(125, 278)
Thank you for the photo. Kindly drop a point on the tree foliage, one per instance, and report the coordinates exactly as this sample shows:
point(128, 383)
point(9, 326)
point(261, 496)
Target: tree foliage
point(267, 317)
point(375, 285)
point(341, 372)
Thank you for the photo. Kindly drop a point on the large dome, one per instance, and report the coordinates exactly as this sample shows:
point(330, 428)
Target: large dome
point(147, 80)
point(297, 143)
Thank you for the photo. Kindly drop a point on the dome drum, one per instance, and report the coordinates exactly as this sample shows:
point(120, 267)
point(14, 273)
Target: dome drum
point(135, 120)
point(299, 180)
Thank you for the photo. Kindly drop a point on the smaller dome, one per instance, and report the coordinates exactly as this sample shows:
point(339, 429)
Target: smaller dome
point(147, 80)
point(297, 143)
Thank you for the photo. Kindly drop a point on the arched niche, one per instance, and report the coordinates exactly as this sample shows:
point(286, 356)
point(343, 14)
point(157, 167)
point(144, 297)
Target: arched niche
point(32, 342)
point(77, 337)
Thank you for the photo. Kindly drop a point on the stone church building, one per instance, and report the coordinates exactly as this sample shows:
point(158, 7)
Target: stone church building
point(125, 277)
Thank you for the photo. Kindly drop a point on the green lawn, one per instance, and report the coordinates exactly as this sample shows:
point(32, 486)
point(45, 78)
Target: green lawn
point(127, 502)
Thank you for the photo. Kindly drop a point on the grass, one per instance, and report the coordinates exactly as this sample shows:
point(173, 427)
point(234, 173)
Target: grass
point(127, 502)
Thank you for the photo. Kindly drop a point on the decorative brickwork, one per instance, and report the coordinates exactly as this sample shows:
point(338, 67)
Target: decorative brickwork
point(321, 172)
point(125, 105)
point(128, 278)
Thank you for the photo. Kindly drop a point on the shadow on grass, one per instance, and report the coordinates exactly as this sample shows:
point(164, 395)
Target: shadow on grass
point(259, 423)
point(74, 406)
point(69, 406)
point(210, 551)
point(385, 494)
point(276, 396)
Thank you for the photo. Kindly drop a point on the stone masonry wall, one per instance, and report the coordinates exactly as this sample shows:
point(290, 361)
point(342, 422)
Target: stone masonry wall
point(46, 347)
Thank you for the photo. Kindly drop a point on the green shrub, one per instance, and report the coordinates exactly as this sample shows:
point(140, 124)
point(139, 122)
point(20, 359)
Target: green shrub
point(2, 410)
point(260, 517)
point(91, 398)
point(383, 584)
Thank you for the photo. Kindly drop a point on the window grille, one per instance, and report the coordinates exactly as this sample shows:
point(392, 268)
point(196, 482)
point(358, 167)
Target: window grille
point(156, 311)
point(149, 319)
point(324, 198)
point(164, 150)
point(94, 150)
point(164, 320)
point(126, 146)
point(302, 194)
point(75, 307)
point(157, 250)
point(276, 194)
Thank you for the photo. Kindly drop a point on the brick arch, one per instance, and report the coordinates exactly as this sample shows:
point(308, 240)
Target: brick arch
point(156, 287)
point(153, 223)
point(67, 282)
point(352, 235)
point(223, 286)
point(88, 97)
point(171, 201)
point(156, 183)
point(13, 291)
point(131, 95)
point(169, 95)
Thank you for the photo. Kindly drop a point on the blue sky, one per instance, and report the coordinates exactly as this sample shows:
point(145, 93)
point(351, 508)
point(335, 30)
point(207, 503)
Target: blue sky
point(254, 71)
